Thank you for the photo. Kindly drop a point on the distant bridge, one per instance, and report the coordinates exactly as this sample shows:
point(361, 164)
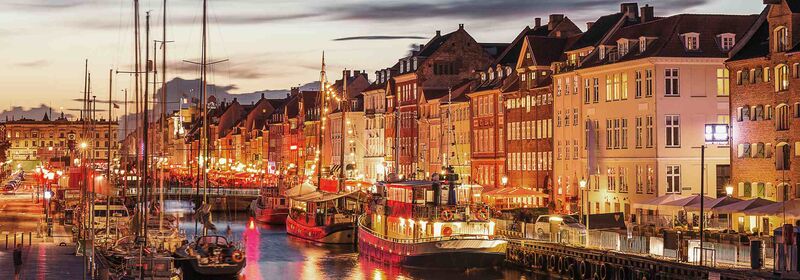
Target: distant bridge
point(221, 197)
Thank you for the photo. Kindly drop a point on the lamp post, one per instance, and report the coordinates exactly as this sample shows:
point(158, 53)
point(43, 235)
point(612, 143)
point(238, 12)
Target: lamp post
point(582, 184)
point(713, 134)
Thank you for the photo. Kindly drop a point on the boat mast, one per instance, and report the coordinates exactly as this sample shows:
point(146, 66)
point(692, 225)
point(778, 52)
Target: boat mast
point(146, 127)
point(163, 98)
point(137, 128)
point(204, 134)
point(322, 109)
point(108, 150)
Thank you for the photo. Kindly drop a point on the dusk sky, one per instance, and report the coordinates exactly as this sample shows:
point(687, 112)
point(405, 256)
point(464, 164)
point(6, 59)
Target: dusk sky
point(271, 44)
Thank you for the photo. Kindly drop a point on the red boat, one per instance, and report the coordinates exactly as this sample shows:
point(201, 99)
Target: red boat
point(270, 208)
point(322, 216)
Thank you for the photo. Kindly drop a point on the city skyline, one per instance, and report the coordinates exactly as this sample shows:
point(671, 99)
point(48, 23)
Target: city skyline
point(354, 34)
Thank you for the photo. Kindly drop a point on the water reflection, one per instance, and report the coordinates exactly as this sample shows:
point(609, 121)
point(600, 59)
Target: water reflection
point(272, 254)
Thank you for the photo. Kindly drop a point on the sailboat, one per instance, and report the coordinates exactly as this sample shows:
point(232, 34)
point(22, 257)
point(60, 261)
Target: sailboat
point(208, 256)
point(326, 212)
point(270, 207)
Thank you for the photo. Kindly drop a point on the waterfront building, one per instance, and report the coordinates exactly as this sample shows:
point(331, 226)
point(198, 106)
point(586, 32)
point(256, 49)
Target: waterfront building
point(528, 108)
point(36, 142)
point(646, 93)
point(439, 64)
point(375, 142)
point(765, 109)
point(353, 134)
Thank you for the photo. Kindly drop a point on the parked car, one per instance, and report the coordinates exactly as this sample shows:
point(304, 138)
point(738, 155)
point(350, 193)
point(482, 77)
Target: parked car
point(568, 227)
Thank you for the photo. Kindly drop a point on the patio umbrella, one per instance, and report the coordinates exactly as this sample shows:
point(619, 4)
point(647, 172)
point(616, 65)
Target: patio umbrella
point(687, 201)
point(744, 205)
point(713, 204)
point(658, 201)
point(791, 208)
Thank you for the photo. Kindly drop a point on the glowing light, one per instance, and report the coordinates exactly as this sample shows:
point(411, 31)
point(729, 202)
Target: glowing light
point(251, 225)
point(83, 145)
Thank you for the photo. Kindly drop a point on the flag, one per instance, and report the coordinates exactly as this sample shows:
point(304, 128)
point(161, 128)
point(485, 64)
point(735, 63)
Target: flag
point(115, 106)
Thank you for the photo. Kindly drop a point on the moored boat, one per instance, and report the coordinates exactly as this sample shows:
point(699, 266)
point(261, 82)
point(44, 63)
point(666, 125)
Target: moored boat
point(407, 224)
point(270, 208)
point(210, 257)
point(321, 216)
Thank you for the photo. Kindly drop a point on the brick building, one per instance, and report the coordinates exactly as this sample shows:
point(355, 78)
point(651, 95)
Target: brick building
point(765, 107)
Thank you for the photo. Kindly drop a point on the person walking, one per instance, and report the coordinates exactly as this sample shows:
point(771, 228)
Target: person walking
point(17, 261)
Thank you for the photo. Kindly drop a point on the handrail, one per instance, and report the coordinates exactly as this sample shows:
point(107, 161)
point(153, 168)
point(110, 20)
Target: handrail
point(423, 239)
point(211, 191)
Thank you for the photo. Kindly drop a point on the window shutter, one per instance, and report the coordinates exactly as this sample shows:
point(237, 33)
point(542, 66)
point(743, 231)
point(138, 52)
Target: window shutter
point(770, 191)
point(797, 149)
point(740, 151)
point(779, 158)
point(741, 188)
point(753, 150)
point(768, 151)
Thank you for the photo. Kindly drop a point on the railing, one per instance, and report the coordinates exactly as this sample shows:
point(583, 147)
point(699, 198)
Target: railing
point(364, 227)
point(210, 191)
point(459, 212)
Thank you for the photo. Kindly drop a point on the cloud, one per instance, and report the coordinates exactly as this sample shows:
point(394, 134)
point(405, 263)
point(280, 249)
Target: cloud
point(378, 37)
point(33, 64)
point(484, 9)
point(48, 4)
point(185, 20)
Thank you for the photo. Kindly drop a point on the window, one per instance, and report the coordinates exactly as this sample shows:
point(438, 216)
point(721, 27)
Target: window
point(609, 88)
point(673, 178)
point(691, 41)
point(651, 180)
point(739, 77)
point(648, 85)
point(727, 41)
point(782, 153)
point(639, 179)
point(723, 82)
point(671, 82)
point(782, 120)
point(638, 89)
point(642, 44)
point(782, 77)
point(616, 133)
point(757, 75)
point(796, 70)
point(612, 184)
point(609, 129)
point(781, 35)
point(575, 116)
point(595, 90)
point(624, 86)
point(587, 95)
point(574, 149)
point(673, 131)
point(767, 75)
point(558, 88)
point(624, 135)
point(558, 119)
point(623, 182)
point(650, 132)
point(639, 131)
point(622, 45)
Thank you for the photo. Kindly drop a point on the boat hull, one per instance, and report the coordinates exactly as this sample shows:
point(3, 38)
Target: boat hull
point(272, 216)
point(192, 269)
point(444, 254)
point(335, 234)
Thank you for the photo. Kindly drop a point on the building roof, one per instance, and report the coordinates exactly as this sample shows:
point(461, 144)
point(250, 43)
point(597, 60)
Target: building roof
point(434, 93)
point(756, 46)
point(494, 49)
point(596, 33)
point(433, 45)
point(668, 41)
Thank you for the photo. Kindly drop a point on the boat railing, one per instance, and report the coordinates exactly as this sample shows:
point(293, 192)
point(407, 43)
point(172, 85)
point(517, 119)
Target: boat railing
point(323, 219)
point(366, 228)
point(477, 212)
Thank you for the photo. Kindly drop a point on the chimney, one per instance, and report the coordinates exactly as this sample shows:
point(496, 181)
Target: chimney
point(356, 73)
point(589, 25)
point(460, 26)
point(537, 22)
point(647, 13)
point(421, 46)
point(554, 19)
point(630, 10)
point(378, 76)
point(346, 73)
point(438, 33)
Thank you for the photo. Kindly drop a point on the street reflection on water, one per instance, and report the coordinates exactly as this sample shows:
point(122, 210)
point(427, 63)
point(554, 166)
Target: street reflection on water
point(272, 254)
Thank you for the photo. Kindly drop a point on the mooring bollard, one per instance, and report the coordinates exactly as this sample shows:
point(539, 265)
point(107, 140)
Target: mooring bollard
point(30, 238)
point(6, 241)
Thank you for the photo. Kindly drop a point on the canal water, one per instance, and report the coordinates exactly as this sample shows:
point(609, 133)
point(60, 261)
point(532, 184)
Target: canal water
point(272, 254)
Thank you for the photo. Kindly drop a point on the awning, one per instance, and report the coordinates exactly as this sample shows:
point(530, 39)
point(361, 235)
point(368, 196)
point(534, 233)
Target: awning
point(300, 190)
point(514, 192)
point(658, 201)
point(743, 205)
point(335, 169)
point(790, 208)
point(319, 196)
point(714, 204)
point(687, 201)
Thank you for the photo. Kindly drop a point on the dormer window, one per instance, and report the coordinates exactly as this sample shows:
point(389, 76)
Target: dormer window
point(691, 41)
point(781, 35)
point(622, 46)
point(483, 77)
point(508, 71)
point(602, 53)
point(491, 74)
point(643, 41)
point(726, 41)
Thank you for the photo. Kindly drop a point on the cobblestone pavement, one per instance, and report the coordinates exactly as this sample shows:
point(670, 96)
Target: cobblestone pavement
point(43, 261)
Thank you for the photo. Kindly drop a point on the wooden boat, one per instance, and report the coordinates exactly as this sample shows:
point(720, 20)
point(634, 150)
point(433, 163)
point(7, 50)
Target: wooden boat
point(270, 208)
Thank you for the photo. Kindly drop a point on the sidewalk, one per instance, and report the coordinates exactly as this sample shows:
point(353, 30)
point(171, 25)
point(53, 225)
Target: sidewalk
point(43, 261)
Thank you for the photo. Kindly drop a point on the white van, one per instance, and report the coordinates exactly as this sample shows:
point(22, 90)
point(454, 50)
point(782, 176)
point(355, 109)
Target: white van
point(551, 227)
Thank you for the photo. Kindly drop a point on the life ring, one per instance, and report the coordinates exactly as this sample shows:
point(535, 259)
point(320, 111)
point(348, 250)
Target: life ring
point(560, 265)
point(483, 214)
point(447, 231)
point(446, 215)
point(237, 256)
point(582, 272)
point(603, 271)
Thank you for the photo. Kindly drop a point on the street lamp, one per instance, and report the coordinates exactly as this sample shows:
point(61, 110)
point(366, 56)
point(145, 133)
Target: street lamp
point(504, 181)
point(582, 183)
point(729, 190)
point(83, 145)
